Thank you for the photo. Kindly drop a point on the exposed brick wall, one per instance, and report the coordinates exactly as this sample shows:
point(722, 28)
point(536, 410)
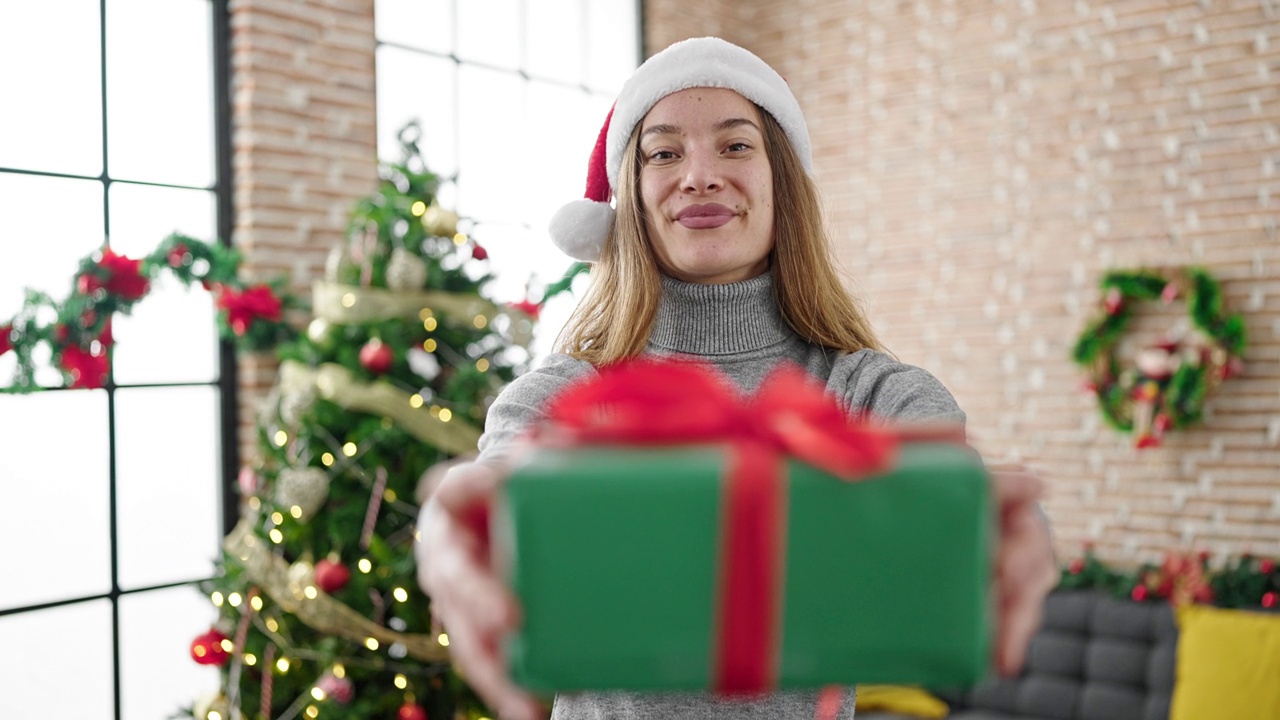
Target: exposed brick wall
point(303, 140)
point(984, 163)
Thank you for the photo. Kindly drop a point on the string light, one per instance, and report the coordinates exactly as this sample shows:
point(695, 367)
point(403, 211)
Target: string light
point(214, 715)
point(277, 518)
point(272, 625)
point(389, 495)
point(282, 665)
point(255, 602)
point(339, 670)
point(480, 321)
point(277, 537)
point(310, 592)
point(424, 313)
point(443, 639)
point(349, 449)
point(482, 364)
point(429, 324)
point(327, 459)
point(460, 239)
point(429, 345)
point(254, 502)
point(312, 711)
point(348, 300)
point(418, 208)
point(234, 599)
point(216, 597)
point(296, 512)
point(364, 565)
point(401, 681)
point(445, 414)
point(281, 438)
point(415, 401)
point(400, 594)
point(371, 643)
point(317, 693)
point(250, 659)
point(227, 645)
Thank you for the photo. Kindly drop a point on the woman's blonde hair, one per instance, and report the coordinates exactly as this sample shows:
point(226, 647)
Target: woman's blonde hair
point(614, 319)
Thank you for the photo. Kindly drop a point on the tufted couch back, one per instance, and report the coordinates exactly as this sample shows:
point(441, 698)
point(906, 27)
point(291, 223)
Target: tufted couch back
point(1095, 658)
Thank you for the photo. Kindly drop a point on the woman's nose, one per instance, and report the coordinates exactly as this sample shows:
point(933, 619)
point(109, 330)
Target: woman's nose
point(702, 172)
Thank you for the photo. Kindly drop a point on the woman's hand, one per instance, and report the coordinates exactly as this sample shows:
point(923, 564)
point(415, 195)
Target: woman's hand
point(474, 605)
point(1026, 569)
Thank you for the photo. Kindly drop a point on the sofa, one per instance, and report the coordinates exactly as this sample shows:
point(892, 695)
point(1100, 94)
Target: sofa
point(1095, 657)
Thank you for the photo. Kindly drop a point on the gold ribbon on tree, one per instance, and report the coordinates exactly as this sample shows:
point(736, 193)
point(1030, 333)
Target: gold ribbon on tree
point(350, 304)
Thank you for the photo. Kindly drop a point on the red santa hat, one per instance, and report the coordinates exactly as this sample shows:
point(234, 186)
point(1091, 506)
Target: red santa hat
point(581, 227)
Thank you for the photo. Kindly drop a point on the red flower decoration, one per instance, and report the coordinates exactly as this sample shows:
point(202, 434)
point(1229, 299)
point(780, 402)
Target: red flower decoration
point(1269, 600)
point(1139, 593)
point(1076, 566)
point(243, 307)
point(1265, 566)
point(178, 255)
point(6, 341)
point(124, 276)
point(88, 284)
point(528, 307)
point(479, 253)
point(87, 369)
point(207, 649)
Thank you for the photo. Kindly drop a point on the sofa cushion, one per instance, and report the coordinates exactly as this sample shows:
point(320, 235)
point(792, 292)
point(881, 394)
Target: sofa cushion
point(1228, 664)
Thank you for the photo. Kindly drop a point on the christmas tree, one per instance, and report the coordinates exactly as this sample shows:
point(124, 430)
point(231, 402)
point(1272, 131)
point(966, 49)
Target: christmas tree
point(320, 614)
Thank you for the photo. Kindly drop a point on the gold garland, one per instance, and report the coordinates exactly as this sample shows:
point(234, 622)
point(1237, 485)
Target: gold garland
point(350, 304)
point(337, 385)
point(323, 613)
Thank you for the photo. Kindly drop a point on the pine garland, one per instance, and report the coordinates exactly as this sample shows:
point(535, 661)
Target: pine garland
point(1242, 581)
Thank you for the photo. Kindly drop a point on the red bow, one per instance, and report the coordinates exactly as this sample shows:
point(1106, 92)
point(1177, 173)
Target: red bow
point(654, 402)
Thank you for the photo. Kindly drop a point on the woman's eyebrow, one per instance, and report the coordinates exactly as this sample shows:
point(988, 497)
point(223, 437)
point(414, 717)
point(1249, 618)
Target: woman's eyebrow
point(726, 124)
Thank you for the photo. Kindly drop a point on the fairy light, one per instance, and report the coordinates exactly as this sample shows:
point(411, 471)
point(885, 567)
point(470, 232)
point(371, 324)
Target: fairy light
point(429, 345)
point(400, 594)
point(460, 239)
point(445, 414)
point(401, 681)
point(348, 300)
point(277, 518)
point(312, 712)
point(272, 625)
point(250, 659)
point(415, 401)
point(364, 565)
point(482, 364)
point(480, 321)
point(371, 643)
point(418, 208)
point(349, 449)
point(281, 438)
point(425, 313)
point(443, 639)
point(234, 599)
point(339, 670)
point(227, 645)
point(327, 459)
point(277, 537)
point(254, 502)
point(296, 512)
point(214, 715)
point(389, 495)
point(310, 592)
point(282, 665)
point(216, 597)
point(317, 693)
point(429, 324)
point(255, 602)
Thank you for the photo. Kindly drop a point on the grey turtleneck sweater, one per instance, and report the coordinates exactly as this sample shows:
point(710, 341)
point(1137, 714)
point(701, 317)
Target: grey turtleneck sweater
point(738, 328)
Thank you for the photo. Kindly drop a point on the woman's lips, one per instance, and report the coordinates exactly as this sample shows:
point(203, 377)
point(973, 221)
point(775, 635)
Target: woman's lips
point(711, 215)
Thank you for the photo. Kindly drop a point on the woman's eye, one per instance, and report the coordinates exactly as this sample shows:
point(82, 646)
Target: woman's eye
point(738, 147)
point(659, 155)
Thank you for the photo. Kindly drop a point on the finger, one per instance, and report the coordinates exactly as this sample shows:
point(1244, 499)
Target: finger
point(1019, 621)
point(462, 583)
point(1014, 487)
point(466, 484)
point(478, 660)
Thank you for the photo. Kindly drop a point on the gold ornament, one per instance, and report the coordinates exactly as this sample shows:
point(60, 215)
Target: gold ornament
point(439, 221)
point(405, 271)
point(306, 488)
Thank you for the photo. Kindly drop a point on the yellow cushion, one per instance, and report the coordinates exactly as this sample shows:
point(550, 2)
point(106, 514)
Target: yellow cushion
point(1228, 665)
point(904, 699)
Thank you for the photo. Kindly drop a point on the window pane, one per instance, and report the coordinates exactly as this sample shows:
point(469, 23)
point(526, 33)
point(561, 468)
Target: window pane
point(489, 33)
point(160, 91)
point(557, 50)
point(57, 664)
point(489, 155)
point(57, 42)
point(143, 215)
point(425, 24)
point(167, 484)
point(157, 675)
point(612, 31)
point(413, 85)
point(54, 515)
point(563, 124)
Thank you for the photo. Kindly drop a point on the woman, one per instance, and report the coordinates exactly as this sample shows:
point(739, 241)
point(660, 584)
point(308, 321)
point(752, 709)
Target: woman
point(717, 250)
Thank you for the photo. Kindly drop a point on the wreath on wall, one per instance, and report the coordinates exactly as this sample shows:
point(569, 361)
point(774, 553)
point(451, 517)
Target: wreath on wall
point(1166, 386)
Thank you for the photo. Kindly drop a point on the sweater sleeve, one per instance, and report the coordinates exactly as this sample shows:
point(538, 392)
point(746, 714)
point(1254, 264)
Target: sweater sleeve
point(521, 402)
point(873, 383)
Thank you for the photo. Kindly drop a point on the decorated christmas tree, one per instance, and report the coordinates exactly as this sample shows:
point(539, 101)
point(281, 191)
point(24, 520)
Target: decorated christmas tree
point(320, 612)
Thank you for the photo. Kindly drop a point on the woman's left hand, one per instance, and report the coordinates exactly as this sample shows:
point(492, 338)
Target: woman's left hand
point(1026, 569)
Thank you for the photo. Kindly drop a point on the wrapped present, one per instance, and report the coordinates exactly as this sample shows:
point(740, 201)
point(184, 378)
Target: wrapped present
point(667, 534)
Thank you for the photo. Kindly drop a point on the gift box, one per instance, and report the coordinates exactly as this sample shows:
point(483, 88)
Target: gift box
point(740, 546)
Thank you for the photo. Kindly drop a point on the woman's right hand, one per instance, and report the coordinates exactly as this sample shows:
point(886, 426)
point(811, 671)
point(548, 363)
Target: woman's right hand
point(474, 605)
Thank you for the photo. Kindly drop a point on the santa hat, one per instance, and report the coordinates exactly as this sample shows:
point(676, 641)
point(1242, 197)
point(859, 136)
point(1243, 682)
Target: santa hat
point(581, 227)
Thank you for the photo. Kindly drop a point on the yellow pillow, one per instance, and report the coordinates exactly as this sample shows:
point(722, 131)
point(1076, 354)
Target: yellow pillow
point(904, 699)
point(1228, 665)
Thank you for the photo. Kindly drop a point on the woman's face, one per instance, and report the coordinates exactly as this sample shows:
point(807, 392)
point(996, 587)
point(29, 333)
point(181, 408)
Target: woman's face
point(706, 186)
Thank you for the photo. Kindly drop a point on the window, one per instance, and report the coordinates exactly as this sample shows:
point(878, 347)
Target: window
point(511, 95)
point(110, 499)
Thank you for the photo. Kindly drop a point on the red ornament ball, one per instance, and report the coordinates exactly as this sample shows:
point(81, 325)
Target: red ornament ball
point(411, 711)
point(1270, 599)
point(207, 649)
point(1076, 566)
point(331, 575)
point(1266, 566)
point(1140, 593)
point(479, 253)
point(376, 356)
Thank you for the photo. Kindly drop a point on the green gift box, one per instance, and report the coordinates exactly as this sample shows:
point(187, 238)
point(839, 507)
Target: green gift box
point(615, 553)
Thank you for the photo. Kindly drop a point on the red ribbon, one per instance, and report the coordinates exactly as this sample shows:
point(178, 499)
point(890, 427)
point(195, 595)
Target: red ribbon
point(656, 402)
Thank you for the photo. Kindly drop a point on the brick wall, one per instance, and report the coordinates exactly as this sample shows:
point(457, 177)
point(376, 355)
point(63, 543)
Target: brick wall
point(983, 163)
point(304, 144)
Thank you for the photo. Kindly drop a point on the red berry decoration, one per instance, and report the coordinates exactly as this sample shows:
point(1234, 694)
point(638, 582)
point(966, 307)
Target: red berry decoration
point(331, 575)
point(376, 356)
point(411, 711)
point(479, 253)
point(207, 649)
point(1269, 600)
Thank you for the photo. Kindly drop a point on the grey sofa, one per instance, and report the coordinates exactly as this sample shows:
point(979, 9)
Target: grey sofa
point(1095, 657)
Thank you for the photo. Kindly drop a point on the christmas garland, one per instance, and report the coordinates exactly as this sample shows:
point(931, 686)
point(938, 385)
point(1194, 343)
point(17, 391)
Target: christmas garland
point(1242, 581)
point(1167, 386)
point(77, 329)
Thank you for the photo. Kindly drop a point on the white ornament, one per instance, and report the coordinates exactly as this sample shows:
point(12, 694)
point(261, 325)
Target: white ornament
point(307, 488)
point(423, 364)
point(213, 702)
point(405, 271)
point(318, 331)
point(293, 405)
point(334, 263)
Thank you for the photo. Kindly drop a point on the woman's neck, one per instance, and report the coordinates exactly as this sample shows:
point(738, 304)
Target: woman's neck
point(696, 319)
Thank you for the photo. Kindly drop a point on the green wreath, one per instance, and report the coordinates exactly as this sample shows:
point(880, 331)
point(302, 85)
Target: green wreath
point(1146, 403)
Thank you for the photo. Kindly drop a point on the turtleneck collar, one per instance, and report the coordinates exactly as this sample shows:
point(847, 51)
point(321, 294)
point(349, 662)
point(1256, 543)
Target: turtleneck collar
point(718, 319)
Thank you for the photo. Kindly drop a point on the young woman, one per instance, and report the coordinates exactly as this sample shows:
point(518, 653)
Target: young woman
point(717, 250)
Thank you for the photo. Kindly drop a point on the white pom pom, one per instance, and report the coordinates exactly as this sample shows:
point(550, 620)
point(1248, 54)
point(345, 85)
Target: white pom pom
point(580, 228)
